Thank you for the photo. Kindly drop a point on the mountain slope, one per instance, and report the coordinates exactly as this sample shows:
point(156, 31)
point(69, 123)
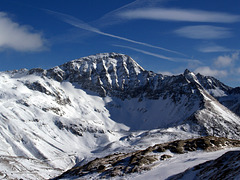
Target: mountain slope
point(40, 118)
point(225, 167)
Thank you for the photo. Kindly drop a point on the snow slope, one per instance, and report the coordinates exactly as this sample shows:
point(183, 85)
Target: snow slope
point(224, 167)
point(51, 125)
point(179, 164)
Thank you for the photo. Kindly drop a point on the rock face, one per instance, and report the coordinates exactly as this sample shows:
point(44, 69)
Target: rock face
point(120, 76)
point(106, 74)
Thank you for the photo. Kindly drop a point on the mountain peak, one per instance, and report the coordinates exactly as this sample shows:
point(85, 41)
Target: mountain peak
point(116, 74)
point(102, 73)
point(107, 58)
point(190, 76)
point(186, 72)
point(107, 62)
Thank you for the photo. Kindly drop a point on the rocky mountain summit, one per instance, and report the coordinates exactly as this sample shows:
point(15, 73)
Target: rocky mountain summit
point(119, 75)
point(106, 103)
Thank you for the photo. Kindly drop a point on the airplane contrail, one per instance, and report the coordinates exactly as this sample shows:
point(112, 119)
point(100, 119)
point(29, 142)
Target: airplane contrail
point(173, 59)
point(82, 25)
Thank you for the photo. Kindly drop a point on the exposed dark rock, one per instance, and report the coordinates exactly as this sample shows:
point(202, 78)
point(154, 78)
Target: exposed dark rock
point(77, 129)
point(38, 71)
point(165, 156)
point(23, 102)
point(59, 95)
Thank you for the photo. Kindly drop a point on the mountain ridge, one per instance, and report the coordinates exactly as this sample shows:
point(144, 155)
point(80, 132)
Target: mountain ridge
point(118, 75)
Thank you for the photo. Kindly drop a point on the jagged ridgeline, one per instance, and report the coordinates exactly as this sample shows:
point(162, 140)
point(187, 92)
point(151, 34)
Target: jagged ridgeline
point(119, 75)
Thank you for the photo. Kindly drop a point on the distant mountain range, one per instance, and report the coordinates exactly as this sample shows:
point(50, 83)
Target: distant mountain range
point(105, 103)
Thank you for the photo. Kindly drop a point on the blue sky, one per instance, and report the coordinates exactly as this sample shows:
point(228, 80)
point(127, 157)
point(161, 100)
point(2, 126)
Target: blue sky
point(165, 36)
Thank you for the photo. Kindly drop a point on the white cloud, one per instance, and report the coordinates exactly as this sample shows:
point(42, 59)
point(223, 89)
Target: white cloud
point(165, 73)
point(226, 60)
point(210, 48)
point(207, 71)
point(18, 37)
point(204, 32)
point(179, 15)
point(223, 61)
point(235, 55)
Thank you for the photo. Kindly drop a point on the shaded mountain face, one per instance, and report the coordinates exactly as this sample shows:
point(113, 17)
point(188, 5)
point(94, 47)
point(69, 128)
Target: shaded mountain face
point(96, 103)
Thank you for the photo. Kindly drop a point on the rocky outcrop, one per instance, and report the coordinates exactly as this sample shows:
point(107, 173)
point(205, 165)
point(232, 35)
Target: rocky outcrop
point(121, 164)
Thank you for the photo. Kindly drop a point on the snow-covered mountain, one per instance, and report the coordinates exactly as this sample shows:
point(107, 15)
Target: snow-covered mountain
point(139, 94)
point(105, 103)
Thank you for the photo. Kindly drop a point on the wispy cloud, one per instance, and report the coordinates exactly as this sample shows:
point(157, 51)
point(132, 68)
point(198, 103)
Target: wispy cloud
point(82, 25)
point(161, 56)
point(204, 32)
point(179, 15)
point(113, 17)
point(227, 60)
point(18, 37)
point(207, 71)
point(211, 48)
point(166, 73)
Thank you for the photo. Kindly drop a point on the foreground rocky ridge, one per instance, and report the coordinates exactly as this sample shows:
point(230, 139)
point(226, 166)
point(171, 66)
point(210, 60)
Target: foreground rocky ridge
point(121, 164)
